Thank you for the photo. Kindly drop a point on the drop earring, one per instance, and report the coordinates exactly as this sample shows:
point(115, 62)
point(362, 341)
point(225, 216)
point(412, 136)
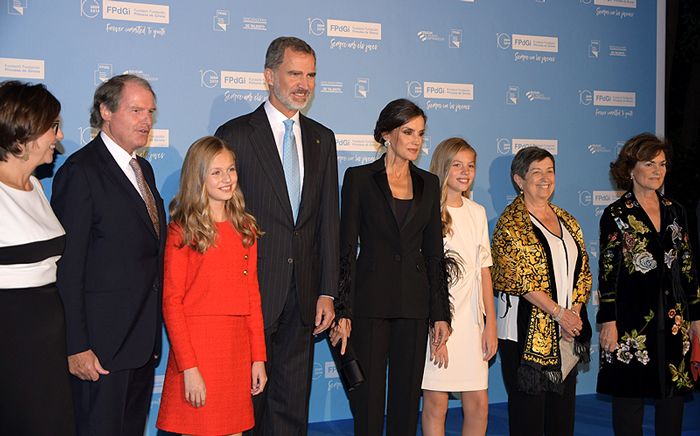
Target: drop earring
point(25, 154)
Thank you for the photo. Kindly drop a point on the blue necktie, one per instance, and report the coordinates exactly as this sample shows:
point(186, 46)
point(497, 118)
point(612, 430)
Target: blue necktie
point(290, 163)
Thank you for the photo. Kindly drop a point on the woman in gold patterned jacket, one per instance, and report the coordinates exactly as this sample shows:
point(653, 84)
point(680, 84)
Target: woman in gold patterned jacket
point(541, 271)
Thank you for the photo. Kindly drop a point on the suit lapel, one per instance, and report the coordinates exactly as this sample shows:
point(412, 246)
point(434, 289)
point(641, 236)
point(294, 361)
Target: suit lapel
point(310, 149)
point(382, 182)
point(380, 179)
point(265, 147)
point(117, 175)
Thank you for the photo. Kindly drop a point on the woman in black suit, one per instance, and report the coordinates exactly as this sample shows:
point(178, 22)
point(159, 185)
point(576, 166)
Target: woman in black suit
point(394, 290)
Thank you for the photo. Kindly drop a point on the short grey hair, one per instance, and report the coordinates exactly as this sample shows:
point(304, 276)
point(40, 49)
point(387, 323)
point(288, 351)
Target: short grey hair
point(275, 52)
point(524, 158)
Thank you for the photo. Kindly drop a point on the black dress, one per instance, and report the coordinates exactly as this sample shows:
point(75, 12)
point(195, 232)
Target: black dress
point(36, 397)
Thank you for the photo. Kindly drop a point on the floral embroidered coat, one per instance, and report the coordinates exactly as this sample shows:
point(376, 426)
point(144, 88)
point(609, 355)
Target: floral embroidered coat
point(648, 286)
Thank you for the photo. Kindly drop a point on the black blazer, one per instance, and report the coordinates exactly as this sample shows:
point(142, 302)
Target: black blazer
point(110, 275)
point(307, 251)
point(398, 272)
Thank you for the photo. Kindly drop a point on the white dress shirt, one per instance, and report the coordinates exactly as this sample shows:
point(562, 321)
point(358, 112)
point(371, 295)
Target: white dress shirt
point(276, 120)
point(122, 158)
point(564, 256)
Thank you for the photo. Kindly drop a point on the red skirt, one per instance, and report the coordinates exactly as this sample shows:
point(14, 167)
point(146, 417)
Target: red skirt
point(222, 347)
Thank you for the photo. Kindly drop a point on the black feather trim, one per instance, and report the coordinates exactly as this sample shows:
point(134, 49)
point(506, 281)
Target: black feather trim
point(452, 266)
point(446, 271)
point(343, 305)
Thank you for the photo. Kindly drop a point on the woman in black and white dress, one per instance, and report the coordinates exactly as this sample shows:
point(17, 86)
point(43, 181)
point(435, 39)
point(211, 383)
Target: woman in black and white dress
point(36, 398)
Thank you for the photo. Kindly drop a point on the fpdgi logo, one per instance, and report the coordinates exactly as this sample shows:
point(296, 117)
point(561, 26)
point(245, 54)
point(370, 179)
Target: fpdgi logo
point(87, 134)
point(208, 78)
point(317, 26)
point(414, 89)
point(503, 145)
point(585, 97)
point(330, 370)
point(584, 198)
point(503, 40)
point(89, 8)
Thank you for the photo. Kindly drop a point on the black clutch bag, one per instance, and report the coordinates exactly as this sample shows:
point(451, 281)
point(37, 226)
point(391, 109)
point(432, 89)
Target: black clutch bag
point(348, 366)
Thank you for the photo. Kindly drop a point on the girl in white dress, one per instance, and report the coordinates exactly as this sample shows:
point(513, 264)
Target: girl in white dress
point(461, 365)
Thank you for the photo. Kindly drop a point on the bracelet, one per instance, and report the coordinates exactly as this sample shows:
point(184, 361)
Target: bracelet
point(559, 314)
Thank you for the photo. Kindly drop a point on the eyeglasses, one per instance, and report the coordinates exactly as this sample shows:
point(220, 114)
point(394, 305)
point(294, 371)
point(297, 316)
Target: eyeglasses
point(55, 126)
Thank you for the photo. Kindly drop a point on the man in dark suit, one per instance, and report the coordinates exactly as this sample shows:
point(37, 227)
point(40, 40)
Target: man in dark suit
point(287, 169)
point(110, 275)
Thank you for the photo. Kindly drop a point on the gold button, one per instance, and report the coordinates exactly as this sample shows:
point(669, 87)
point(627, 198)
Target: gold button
point(245, 272)
point(245, 257)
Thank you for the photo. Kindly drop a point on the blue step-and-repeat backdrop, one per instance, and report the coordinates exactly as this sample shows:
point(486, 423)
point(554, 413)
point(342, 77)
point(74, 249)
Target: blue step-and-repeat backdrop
point(576, 77)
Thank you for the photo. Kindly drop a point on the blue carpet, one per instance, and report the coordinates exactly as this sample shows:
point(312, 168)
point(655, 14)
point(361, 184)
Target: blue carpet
point(593, 418)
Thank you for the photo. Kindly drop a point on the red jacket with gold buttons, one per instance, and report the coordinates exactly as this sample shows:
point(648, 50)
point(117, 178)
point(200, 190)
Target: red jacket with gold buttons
point(222, 281)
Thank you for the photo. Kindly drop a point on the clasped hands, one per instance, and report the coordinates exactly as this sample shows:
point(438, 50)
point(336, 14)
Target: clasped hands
point(570, 322)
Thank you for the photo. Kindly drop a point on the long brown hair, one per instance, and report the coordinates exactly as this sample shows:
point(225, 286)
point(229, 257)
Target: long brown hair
point(440, 165)
point(190, 207)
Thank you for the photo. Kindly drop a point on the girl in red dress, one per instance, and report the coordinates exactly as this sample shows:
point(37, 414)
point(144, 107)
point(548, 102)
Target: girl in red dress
point(211, 301)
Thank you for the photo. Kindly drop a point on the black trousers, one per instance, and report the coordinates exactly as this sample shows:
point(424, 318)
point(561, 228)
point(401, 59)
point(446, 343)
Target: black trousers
point(628, 414)
point(282, 409)
point(34, 378)
point(400, 344)
point(116, 404)
point(548, 413)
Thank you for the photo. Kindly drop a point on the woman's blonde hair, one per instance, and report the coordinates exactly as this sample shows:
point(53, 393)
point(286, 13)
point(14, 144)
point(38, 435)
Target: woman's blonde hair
point(190, 207)
point(440, 165)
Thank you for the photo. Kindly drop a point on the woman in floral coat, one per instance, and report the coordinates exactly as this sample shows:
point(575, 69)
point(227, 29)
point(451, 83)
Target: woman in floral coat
point(649, 296)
